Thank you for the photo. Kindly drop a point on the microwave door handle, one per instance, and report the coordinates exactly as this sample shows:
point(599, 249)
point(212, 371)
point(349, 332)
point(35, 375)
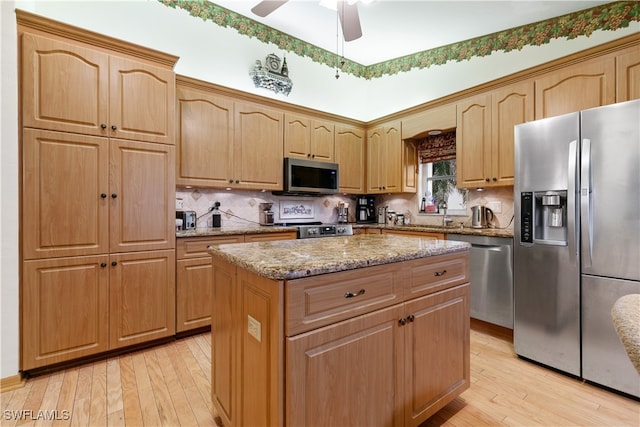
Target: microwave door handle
point(586, 206)
point(572, 197)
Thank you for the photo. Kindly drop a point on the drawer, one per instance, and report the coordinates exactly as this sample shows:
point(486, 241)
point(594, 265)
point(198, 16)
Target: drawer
point(444, 271)
point(267, 237)
point(321, 300)
point(193, 247)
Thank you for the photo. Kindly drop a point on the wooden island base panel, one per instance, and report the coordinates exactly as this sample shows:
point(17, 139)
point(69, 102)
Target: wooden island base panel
point(365, 330)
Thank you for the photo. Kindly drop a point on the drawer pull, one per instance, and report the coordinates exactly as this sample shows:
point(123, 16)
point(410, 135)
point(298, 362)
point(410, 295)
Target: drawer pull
point(440, 273)
point(351, 294)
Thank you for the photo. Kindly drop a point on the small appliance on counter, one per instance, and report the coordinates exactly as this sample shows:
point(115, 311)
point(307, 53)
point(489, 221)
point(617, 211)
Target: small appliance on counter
point(188, 219)
point(266, 215)
point(365, 209)
point(382, 214)
point(216, 216)
point(343, 212)
point(481, 217)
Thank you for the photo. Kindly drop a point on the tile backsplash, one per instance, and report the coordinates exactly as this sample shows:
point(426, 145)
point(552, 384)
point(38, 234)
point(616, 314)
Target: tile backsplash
point(242, 207)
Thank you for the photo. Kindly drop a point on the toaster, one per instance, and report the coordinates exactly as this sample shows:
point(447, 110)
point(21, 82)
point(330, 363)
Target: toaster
point(188, 219)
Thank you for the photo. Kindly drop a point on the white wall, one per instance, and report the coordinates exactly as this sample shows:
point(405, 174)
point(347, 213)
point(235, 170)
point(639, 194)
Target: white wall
point(224, 57)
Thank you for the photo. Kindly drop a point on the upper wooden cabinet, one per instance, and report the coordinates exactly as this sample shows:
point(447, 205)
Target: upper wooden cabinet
point(438, 118)
point(307, 138)
point(72, 87)
point(384, 159)
point(577, 87)
point(223, 143)
point(628, 75)
point(485, 137)
point(349, 150)
point(205, 138)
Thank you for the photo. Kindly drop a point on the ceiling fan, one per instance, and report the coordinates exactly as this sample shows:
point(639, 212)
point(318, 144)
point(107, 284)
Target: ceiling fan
point(347, 12)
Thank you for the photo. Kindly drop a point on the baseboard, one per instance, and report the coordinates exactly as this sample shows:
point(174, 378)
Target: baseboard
point(493, 330)
point(12, 383)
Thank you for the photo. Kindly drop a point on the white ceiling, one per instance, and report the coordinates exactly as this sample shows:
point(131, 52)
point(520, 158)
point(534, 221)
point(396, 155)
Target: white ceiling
point(394, 28)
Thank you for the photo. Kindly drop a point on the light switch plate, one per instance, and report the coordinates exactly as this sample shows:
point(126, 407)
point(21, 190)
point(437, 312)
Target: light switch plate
point(179, 204)
point(254, 328)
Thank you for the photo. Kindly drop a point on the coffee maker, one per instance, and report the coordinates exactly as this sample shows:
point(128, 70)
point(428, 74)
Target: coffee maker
point(343, 212)
point(266, 215)
point(365, 209)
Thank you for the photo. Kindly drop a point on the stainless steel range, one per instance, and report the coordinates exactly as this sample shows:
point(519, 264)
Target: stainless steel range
point(324, 230)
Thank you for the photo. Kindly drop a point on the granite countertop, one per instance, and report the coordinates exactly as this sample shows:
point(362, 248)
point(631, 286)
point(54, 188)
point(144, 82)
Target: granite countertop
point(242, 229)
point(490, 232)
point(292, 259)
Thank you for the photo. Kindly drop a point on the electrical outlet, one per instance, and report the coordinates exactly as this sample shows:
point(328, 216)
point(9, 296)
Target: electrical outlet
point(179, 204)
point(496, 207)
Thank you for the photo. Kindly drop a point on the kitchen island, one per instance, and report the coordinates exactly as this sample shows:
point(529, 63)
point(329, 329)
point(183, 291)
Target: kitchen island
point(361, 330)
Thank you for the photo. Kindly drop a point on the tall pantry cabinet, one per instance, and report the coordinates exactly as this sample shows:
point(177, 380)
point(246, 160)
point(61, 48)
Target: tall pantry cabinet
point(97, 193)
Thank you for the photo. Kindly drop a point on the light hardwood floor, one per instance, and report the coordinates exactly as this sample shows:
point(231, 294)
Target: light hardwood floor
point(169, 385)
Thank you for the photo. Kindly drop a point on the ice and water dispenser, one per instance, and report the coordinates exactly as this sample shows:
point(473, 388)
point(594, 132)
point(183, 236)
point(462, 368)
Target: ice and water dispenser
point(543, 217)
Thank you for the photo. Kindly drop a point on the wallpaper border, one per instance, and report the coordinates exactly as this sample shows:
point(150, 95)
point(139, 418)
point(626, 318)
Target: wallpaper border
point(607, 17)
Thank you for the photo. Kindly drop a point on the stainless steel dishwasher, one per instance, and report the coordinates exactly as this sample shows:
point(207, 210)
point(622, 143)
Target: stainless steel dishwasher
point(491, 270)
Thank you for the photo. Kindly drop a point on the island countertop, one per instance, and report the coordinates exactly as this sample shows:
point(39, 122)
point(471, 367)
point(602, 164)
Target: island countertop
point(292, 259)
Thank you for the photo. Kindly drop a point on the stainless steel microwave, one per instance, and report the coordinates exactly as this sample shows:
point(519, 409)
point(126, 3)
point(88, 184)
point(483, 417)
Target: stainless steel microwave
point(310, 177)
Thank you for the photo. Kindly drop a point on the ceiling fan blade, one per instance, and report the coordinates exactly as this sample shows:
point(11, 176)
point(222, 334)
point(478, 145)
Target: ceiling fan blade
point(265, 7)
point(349, 20)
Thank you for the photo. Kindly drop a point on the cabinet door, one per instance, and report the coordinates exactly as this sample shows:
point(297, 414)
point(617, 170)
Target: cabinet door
point(205, 139)
point(142, 199)
point(436, 351)
point(349, 145)
point(576, 87)
point(392, 161)
point(65, 86)
point(322, 140)
point(65, 186)
point(297, 136)
point(258, 147)
point(65, 306)
point(141, 297)
point(348, 373)
point(409, 167)
point(510, 106)
point(473, 142)
point(141, 102)
point(628, 75)
point(194, 285)
point(375, 161)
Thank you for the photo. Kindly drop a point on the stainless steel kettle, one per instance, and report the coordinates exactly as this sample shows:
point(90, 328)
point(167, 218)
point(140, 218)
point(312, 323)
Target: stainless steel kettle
point(481, 217)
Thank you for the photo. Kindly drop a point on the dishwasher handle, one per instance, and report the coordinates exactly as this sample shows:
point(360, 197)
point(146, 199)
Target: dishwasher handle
point(497, 248)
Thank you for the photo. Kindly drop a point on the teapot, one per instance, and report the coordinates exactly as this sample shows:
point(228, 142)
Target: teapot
point(481, 217)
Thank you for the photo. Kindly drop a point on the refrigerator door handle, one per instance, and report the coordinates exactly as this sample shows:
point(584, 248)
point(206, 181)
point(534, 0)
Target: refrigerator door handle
point(572, 198)
point(585, 203)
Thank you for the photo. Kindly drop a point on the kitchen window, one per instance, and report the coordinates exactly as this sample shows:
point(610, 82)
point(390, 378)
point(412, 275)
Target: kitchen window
point(437, 176)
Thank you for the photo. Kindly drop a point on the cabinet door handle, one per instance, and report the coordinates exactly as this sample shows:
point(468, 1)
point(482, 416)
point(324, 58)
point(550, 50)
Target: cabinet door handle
point(411, 318)
point(495, 179)
point(103, 126)
point(114, 127)
point(237, 181)
point(103, 195)
point(114, 263)
point(487, 179)
point(114, 195)
point(402, 321)
point(351, 294)
point(440, 273)
point(103, 264)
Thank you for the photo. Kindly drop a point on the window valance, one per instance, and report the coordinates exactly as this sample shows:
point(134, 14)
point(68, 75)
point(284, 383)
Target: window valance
point(437, 147)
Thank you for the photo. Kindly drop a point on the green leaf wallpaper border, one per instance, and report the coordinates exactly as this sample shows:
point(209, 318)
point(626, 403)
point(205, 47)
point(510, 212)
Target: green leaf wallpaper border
point(607, 17)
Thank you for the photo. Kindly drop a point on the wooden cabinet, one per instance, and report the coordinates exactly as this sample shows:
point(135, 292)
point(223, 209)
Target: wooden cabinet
point(307, 138)
point(485, 136)
point(409, 167)
point(141, 297)
point(85, 195)
point(349, 151)
point(399, 353)
point(205, 138)
point(384, 159)
point(72, 87)
point(194, 275)
point(65, 304)
point(628, 75)
point(225, 143)
point(98, 189)
point(576, 87)
point(434, 119)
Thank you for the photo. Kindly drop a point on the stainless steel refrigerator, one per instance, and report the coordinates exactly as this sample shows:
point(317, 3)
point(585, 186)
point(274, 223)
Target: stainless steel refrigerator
point(577, 240)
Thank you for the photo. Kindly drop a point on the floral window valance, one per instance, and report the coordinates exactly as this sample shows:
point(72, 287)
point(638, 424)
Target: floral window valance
point(437, 148)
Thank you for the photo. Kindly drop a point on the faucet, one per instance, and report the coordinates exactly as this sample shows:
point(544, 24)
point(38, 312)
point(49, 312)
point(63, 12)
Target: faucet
point(446, 221)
